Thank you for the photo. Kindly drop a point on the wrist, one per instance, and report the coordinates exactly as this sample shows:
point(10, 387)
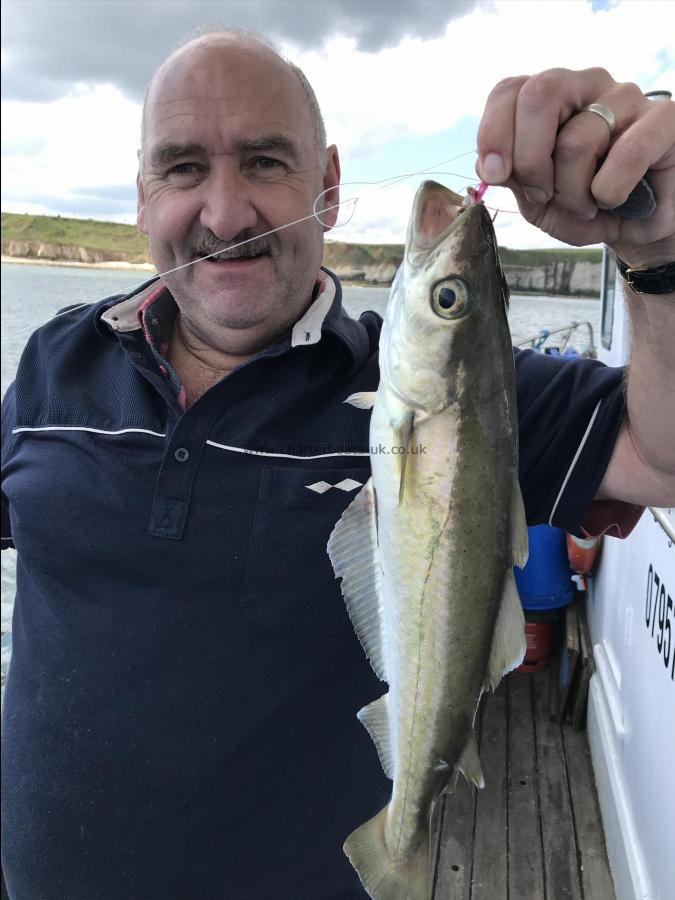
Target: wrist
point(649, 256)
point(648, 280)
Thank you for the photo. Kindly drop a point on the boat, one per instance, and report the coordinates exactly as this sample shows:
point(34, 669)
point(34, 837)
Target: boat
point(630, 608)
point(630, 616)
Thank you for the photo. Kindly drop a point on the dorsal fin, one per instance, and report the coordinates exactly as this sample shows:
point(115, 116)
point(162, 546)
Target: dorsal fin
point(352, 548)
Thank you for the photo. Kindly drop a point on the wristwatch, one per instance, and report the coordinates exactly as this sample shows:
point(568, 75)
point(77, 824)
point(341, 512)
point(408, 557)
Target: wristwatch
point(659, 280)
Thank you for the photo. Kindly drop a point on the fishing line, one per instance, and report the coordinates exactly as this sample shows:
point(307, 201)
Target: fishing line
point(351, 203)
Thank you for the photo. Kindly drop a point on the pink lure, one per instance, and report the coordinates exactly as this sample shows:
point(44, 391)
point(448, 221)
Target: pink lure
point(475, 194)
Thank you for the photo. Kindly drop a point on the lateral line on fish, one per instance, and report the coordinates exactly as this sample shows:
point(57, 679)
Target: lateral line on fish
point(434, 548)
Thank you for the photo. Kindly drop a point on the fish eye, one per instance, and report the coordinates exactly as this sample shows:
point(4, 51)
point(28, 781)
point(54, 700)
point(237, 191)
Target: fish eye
point(450, 298)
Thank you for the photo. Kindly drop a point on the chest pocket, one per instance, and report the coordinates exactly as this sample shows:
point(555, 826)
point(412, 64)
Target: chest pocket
point(289, 585)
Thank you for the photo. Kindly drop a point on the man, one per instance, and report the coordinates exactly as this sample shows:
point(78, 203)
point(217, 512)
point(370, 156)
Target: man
point(180, 710)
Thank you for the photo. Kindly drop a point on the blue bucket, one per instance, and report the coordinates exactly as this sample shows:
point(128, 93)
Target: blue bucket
point(545, 582)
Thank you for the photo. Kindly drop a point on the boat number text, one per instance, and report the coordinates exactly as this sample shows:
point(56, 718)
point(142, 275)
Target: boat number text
point(660, 619)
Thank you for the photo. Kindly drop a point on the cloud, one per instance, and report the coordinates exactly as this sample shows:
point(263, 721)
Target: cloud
point(82, 147)
point(109, 202)
point(401, 109)
point(23, 146)
point(51, 45)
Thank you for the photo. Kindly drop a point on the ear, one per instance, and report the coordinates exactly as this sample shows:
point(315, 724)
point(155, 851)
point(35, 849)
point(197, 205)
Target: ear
point(331, 186)
point(140, 205)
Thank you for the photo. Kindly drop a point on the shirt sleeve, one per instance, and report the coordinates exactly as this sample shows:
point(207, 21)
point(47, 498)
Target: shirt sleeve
point(8, 419)
point(570, 412)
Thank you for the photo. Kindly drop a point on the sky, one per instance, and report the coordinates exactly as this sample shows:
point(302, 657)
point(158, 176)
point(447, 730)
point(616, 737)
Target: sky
point(401, 83)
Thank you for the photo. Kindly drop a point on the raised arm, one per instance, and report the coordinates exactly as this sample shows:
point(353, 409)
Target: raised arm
point(537, 138)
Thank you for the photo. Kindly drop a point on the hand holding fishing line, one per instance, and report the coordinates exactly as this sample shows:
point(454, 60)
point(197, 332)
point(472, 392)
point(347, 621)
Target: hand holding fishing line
point(538, 137)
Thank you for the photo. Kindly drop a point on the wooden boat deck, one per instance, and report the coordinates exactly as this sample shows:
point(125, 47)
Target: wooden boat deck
point(534, 832)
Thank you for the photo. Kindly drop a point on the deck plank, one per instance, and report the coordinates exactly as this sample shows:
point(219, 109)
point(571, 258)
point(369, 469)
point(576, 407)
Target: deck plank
point(557, 824)
point(534, 832)
point(453, 828)
point(595, 873)
point(526, 861)
point(490, 846)
point(454, 820)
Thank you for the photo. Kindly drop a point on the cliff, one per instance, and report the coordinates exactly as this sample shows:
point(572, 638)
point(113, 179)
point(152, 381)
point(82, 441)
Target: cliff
point(50, 250)
point(564, 272)
point(72, 240)
point(566, 277)
point(374, 264)
point(85, 241)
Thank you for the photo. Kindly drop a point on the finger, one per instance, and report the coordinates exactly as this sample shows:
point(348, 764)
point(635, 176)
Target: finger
point(561, 224)
point(605, 227)
point(532, 212)
point(545, 102)
point(583, 140)
point(648, 143)
point(496, 129)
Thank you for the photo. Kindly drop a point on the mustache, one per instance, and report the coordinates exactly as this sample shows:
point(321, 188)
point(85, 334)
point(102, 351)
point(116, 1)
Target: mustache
point(247, 243)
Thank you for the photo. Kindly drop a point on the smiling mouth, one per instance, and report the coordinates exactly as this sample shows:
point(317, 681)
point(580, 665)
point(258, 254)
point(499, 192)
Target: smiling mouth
point(234, 257)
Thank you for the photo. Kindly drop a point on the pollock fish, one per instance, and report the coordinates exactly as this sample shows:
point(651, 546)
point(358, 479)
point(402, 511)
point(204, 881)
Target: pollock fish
point(425, 551)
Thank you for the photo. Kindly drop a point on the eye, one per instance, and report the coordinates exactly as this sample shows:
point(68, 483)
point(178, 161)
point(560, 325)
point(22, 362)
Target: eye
point(450, 298)
point(185, 168)
point(266, 162)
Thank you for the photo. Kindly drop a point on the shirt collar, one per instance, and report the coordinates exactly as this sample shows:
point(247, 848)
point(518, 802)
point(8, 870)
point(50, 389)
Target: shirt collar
point(325, 315)
point(307, 330)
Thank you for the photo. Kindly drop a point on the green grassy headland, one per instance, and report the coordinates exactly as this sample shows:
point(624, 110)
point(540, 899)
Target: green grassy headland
point(124, 242)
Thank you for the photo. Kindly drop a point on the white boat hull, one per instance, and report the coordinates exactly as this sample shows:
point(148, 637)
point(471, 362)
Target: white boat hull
point(631, 711)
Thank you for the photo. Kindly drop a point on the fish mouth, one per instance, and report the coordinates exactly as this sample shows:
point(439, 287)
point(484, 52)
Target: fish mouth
point(437, 212)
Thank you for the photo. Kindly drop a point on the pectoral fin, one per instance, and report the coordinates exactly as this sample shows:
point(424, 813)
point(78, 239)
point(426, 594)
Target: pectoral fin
point(362, 399)
point(403, 435)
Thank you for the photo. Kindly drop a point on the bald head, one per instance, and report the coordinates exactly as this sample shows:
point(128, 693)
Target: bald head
point(224, 42)
point(234, 153)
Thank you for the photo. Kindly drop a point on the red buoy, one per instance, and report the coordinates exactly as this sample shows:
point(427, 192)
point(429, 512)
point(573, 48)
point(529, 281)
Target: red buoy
point(582, 553)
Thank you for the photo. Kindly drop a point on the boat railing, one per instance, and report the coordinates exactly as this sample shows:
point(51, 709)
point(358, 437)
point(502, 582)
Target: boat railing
point(537, 341)
point(661, 516)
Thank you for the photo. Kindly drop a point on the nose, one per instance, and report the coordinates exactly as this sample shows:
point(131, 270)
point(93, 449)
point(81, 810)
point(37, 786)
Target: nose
point(227, 201)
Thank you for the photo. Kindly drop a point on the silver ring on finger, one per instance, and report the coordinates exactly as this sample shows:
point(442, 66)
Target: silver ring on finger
point(604, 112)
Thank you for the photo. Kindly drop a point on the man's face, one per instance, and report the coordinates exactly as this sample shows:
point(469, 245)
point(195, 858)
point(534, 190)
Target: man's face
point(229, 154)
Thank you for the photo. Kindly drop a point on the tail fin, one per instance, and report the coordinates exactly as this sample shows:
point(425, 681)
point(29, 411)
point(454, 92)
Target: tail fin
point(382, 877)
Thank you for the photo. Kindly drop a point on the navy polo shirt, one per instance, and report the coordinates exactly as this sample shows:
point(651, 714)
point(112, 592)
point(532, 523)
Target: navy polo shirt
point(180, 711)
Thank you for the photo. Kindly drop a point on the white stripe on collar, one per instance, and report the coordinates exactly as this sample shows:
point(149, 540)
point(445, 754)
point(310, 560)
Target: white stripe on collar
point(123, 316)
point(307, 330)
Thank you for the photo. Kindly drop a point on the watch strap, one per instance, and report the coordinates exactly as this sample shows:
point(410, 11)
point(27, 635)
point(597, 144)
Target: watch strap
point(659, 280)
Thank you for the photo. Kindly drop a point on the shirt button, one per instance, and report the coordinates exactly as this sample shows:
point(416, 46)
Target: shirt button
point(182, 454)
